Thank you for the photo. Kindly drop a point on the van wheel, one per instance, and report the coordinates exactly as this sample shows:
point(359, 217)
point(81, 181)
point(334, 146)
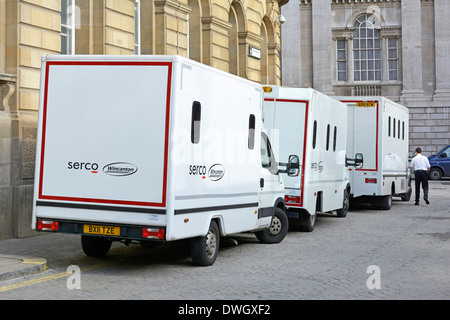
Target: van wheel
point(341, 213)
point(277, 230)
point(204, 249)
point(307, 222)
point(383, 203)
point(407, 196)
point(96, 247)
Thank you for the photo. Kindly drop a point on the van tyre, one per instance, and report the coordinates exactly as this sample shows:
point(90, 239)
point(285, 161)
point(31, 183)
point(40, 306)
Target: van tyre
point(383, 203)
point(204, 249)
point(96, 247)
point(307, 222)
point(342, 212)
point(407, 196)
point(277, 230)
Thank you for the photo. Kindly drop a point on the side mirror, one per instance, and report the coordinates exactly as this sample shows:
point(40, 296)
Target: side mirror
point(293, 166)
point(359, 159)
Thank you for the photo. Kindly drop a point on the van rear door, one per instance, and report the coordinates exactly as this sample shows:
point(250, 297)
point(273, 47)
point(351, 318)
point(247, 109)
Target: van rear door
point(103, 137)
point(291, 116)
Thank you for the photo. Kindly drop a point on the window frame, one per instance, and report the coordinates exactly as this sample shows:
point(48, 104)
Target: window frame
point(367, 51)
point(68, 23)
point(341, 61)
point(137, 27)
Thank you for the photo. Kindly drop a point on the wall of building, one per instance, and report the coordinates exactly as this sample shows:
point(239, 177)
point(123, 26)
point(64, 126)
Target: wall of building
point(309, 57)
point(215, 32)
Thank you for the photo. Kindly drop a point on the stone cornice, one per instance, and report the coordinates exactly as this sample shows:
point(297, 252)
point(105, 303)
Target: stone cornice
point(308, 2)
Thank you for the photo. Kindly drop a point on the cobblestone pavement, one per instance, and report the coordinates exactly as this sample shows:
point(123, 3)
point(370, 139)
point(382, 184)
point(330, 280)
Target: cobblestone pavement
point(409, 245)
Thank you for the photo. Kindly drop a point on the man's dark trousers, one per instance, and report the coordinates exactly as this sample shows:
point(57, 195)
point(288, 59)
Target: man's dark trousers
point(421, 177)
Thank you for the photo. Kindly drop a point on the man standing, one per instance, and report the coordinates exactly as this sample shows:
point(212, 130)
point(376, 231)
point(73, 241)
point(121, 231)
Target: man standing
point(421, 166)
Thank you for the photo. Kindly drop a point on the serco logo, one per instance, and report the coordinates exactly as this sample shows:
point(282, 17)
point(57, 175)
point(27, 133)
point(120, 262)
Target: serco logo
point(120, 169)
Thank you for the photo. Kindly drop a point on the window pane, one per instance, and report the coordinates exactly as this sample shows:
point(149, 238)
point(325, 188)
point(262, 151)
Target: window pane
point(342, 76)
point(314, 135)
point(378, 75)
point(335, 139)
point(392, 53)
point(195, 122)
point(363, 76)
point(377, 65)
point(377, 43)
point(328, 138)
point(393, 75)
point(392, 43)
point(251, 132)
point(342, 66)
point(341, 54)
point(363, 33)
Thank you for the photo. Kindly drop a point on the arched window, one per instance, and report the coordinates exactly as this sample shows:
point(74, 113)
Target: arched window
point(366, 49)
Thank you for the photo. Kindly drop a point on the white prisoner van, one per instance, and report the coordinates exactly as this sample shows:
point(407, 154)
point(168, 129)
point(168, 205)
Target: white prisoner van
point(310, 127)
point(153, 148)
point(378, 128)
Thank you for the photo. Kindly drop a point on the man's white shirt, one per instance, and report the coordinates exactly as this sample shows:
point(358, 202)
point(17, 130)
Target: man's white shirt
point(420, 162)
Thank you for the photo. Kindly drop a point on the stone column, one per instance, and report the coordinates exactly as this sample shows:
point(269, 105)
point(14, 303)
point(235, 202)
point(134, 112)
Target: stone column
point(442, 42)
point(290, 37)
point(412, 50)
point(215, 40)
point(321, 34)
point(171, 27)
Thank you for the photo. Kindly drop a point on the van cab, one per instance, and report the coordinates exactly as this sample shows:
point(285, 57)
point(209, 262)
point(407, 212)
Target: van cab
point(440, 164)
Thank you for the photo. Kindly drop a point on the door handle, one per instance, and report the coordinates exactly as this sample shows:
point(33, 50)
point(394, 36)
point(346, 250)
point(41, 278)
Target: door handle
point(261, 183)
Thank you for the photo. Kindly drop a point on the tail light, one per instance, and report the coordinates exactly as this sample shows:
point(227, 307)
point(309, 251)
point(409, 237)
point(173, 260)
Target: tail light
point(371, 180)
point(47, 225)
point(291, 199)
point(151, 233)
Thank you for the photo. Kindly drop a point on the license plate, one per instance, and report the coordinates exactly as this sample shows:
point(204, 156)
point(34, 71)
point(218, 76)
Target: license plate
point(101, 230)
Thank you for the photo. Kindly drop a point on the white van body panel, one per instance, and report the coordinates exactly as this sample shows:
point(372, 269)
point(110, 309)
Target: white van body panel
point(313, 126)
point(115, 146)
point(379, 129)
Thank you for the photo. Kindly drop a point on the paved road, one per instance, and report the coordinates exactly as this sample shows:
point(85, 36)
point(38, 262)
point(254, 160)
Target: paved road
point(408, 247)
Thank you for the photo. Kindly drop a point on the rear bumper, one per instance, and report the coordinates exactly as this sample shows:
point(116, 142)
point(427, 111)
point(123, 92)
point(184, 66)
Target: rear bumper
point(108, 230)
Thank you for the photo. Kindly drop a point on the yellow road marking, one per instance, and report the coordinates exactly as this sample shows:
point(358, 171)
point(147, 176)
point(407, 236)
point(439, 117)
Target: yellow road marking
point(52, 277)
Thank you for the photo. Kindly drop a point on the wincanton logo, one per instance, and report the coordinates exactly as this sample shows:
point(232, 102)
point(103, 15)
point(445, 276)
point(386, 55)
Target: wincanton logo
point(120, 169)
point(216, 172)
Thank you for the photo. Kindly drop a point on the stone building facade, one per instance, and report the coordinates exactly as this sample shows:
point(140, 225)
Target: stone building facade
point(398, 49)
point(238, 36)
